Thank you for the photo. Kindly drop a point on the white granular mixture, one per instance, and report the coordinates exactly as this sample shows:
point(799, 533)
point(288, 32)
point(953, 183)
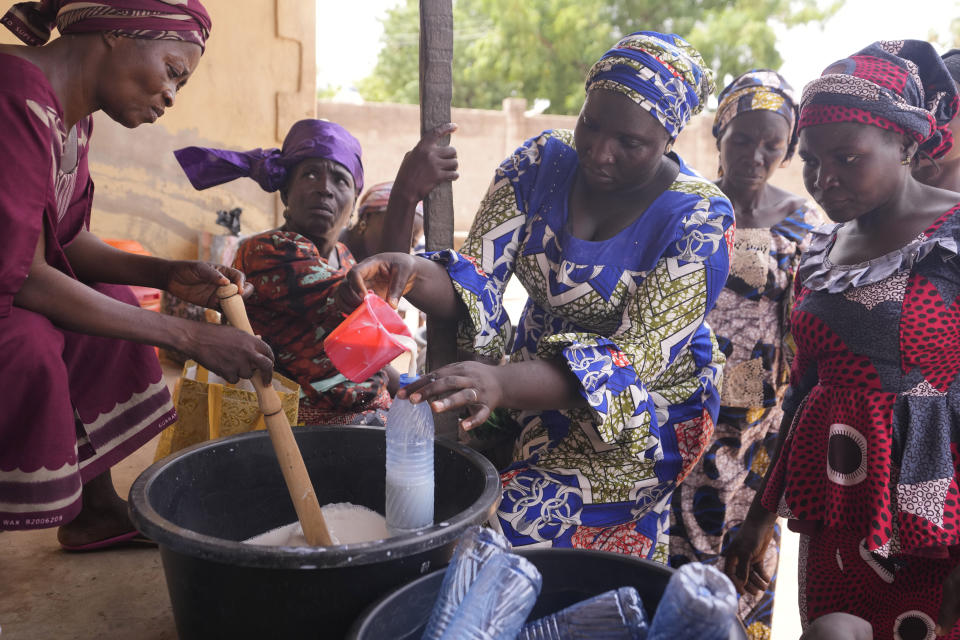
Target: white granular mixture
point(348, 524)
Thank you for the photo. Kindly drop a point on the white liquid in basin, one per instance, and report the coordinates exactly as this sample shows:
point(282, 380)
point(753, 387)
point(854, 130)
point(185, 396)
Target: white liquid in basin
point(348, 524)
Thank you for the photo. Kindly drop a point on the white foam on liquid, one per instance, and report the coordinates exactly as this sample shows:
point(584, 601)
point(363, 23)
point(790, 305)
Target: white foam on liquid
point(347, 523)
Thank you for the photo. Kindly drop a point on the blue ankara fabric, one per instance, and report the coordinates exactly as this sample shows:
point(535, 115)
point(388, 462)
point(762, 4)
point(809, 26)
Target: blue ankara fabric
point(661, 72)
point(626, 315)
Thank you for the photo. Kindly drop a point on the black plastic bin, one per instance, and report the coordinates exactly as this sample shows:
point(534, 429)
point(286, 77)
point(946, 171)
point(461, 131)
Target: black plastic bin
point(200, 503)
point(569, 576)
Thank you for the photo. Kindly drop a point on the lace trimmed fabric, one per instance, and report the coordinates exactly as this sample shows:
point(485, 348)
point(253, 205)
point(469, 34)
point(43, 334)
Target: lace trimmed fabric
point(818, 273)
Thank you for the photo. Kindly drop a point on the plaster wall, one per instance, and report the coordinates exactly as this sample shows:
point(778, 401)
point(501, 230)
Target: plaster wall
point(256, 78)
point(485, 138)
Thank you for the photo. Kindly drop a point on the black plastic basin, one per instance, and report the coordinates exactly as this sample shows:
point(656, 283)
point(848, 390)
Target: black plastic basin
point(200, 503)
point(569, 576)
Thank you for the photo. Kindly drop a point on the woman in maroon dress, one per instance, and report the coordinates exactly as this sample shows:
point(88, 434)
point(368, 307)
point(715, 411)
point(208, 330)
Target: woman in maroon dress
point(81, 388)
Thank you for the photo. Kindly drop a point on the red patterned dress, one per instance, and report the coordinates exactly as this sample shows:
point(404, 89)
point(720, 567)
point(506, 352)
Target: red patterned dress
point(292, 308)
point(869, 469)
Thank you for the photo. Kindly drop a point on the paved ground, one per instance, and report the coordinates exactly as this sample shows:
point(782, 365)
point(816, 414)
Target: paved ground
point(115, 595)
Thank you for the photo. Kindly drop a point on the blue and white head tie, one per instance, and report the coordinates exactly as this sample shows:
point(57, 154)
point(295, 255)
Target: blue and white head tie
point(662, 73)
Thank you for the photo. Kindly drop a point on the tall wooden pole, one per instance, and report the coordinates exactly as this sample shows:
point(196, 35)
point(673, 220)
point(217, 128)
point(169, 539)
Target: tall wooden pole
point(436, 93)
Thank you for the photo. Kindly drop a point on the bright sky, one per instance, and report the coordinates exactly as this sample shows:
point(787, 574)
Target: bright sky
point(348, 35)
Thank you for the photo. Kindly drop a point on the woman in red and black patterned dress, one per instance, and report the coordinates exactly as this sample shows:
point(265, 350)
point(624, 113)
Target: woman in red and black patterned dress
point(296, 268)
point(867, 470)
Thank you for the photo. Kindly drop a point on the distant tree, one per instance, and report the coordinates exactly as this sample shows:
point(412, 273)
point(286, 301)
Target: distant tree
point(946, 35)
point(544, 48)
point(950, 39)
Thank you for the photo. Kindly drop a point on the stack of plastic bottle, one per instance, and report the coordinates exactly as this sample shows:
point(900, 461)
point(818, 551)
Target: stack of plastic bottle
point(488, 592)
point(699, 603)
point(614, 615)
point(409, 499)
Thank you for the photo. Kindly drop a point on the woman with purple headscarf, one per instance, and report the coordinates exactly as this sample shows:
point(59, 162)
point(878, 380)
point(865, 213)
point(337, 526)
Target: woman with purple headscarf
point(82, 390)
point(296, 269)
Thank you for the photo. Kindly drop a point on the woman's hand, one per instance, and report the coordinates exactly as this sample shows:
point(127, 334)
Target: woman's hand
point(470, 386)
point(426, 165)
point(389, 275)
point(838, 626)
point(197, 282)
point(230, 353)
point(950, 604)
point(744, 555)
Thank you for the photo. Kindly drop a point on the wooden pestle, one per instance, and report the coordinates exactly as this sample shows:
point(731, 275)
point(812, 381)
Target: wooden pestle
point(281, 435)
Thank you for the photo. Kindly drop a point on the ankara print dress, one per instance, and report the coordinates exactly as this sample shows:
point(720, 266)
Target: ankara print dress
point(292, 308)
point(627, 316)
point(750, 320)
point(869, 469)
point(72, 405)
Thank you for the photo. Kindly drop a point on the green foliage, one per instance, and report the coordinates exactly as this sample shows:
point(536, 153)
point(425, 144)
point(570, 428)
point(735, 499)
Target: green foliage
point(951, 38)
point(327, 92)
point(544, 48)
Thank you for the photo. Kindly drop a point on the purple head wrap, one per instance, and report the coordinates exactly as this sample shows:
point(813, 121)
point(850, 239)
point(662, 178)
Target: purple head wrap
point(270, 168)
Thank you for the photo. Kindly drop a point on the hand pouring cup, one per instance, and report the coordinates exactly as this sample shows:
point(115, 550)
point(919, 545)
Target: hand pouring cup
point(364, 342)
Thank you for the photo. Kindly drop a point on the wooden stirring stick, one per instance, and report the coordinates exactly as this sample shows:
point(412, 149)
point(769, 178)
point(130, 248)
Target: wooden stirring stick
point(284, 444)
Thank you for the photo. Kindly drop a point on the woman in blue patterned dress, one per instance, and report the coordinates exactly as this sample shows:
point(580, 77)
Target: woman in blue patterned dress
point(611, 373)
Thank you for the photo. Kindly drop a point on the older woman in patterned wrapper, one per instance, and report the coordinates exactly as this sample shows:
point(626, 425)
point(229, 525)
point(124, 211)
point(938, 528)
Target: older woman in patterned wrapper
point(296, 268)
point(756, 131)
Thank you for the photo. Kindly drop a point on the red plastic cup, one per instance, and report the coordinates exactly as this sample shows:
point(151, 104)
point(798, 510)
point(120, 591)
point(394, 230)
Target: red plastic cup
point(362, 344)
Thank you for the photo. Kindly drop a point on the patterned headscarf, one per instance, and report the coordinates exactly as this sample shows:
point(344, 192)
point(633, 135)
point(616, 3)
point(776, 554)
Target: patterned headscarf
point(662, 73)
point(184, 20)
point(898, 85)
point(377, 197)
point(758, 90)
point(270, 168)
point(952, 61)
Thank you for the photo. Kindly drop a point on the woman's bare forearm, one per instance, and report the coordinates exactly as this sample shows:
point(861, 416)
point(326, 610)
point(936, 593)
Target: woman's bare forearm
point(93, 260)
point(398, 226)
point(540, 384)
point(757, 510)
point(74, 306)
point(433, 291)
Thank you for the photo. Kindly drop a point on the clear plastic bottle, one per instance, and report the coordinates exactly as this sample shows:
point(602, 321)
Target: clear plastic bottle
point(475, 548)
point(699, 603)
point(498, 601)
point(409, 500)
point(615, 615)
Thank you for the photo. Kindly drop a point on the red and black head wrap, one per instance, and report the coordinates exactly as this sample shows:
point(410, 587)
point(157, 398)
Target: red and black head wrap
point(899, 85)
point(185, 20)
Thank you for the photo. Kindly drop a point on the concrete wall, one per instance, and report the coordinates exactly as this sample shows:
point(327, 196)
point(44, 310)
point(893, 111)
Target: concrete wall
point(387, 131)
point(257, 77)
